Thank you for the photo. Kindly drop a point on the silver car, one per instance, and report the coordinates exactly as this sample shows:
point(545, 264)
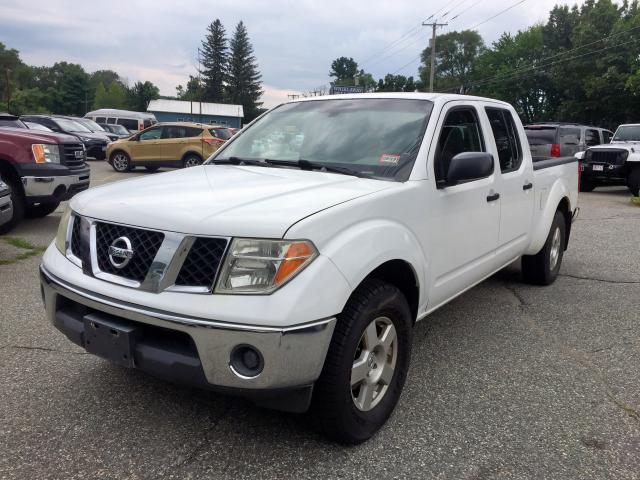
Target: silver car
point(6, 206)
point(563, 139)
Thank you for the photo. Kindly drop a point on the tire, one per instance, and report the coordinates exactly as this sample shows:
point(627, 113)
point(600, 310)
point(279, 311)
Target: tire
point(586, 185)
point(19, 205)
point(633, 182)
point(543, 267)
point(343, 410)
point(120, 161)
point(42, 210)
point(152, 169)
point(191, 160)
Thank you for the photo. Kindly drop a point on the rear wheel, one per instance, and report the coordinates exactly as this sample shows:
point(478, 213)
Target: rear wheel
point(543, 267)
point(120, 162)
point(19, 206)
point(366, 365)
point(634, 182)
point(192, 160)
point(42, 210)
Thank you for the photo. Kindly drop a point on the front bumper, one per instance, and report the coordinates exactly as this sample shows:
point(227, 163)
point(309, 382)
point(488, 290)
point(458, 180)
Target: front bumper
point(6, 208)
point(293, 356)
point(40, 188)
point(609, 174)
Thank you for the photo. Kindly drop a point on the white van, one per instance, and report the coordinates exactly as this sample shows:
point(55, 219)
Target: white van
point(132, 121)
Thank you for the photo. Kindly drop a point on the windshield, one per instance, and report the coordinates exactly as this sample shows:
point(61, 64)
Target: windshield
point(71, 126)
point(541, 135)
point(379, 137)
point(90, 124)
point(627, 133)
point(119, 130)
point(37, 126)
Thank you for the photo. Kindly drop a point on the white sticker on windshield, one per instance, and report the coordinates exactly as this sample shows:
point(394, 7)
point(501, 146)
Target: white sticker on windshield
point(388, 159)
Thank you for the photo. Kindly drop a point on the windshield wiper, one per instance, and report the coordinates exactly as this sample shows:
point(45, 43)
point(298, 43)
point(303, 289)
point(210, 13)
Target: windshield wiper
point(303, 164)
point(238, 161)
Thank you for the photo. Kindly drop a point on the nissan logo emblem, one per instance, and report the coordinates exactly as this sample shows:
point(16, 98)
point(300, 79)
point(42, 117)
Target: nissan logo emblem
point(120, 252)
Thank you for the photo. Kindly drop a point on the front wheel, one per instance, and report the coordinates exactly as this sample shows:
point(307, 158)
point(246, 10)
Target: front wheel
point(366, 365)
point(543, 267)
point(121, 162)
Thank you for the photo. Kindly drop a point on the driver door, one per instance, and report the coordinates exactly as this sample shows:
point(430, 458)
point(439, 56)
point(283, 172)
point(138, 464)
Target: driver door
point(464, 219)
point(148, 146)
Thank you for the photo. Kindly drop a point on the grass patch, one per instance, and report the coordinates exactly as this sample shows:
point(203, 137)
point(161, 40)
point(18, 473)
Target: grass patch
point(635, 201)
point(30, 250)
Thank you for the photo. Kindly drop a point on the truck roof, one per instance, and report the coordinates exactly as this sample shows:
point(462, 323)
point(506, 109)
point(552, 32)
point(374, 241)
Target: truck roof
point(434, 97)
point(37, 135)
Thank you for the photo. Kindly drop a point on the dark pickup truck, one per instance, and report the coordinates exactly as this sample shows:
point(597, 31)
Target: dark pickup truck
point(41, 169)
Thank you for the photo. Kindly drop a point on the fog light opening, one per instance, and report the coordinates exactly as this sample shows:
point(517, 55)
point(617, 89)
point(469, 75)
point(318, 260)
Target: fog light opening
point(246, 361)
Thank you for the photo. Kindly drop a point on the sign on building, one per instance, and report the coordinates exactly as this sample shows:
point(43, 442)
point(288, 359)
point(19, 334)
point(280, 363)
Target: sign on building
point(340, 89)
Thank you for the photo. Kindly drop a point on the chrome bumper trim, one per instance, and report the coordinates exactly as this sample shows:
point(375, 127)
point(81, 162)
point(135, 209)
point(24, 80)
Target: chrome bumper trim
point(44, 186)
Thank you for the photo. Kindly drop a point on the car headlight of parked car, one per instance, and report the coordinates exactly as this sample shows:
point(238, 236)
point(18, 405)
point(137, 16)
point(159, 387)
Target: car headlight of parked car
point(61, 236)
point(254, 266)
point(45, 153)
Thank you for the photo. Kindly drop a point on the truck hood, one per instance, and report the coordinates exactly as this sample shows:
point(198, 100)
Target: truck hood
point(38, 136)
point(632, 147)
point(223, 200)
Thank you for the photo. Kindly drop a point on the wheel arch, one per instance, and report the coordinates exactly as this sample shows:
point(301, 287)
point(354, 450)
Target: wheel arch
point(8, 171)
point(191, 152)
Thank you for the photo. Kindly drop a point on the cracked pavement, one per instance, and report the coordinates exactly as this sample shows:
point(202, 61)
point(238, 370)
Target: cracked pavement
point(507, 381)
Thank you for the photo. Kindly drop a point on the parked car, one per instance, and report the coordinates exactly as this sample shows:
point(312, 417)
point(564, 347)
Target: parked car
point(95, 143)
point(179, 144)
point(296, 278)
point(615, 164)
point(95, 128)
point(563, 139)
point(132, 121)
point(9, 120)
point(119, 130)
point(37, 126)
point(6, 207)
point(41, 169)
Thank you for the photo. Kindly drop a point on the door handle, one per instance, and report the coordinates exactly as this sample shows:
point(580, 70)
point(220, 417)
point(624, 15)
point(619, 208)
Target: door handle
point(493, 197)
point(527, 186)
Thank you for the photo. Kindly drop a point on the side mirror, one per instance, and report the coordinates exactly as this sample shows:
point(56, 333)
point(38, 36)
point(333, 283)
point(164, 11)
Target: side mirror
point(580, 155)
point(469, 166)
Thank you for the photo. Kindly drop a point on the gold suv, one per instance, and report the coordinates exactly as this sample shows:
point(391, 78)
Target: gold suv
point(175, 145)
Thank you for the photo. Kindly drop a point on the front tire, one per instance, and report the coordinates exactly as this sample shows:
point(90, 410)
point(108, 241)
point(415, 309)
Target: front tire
point(633, 182)
point(42, 210)
point(120, 162)
point(366, 365)
point(543, 267)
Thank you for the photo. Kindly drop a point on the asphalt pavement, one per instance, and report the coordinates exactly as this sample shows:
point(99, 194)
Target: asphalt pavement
point(508, 381)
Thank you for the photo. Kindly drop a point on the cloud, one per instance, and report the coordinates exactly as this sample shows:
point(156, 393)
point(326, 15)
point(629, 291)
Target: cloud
point(294, 40)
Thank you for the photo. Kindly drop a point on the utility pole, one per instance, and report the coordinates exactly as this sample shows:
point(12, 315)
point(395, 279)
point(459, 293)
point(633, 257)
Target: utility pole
point(199, 88)
point(432, 70)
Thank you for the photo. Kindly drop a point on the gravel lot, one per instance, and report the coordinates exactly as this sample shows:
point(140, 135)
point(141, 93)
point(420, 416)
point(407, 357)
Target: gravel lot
point(508, 381)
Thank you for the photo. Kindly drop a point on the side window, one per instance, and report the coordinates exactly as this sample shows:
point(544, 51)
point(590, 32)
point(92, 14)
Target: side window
point(507, 140)
point(147, 123)
point(111, 121)
point(174, 131)
point(569, 136)
point(128, 123)
point(460, 133)
point(591, 137)
point(101, 120)
point(606, 136)
point(151, 134)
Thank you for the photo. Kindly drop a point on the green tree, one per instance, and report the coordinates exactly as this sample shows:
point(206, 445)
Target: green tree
point(344, 70)
point(100, 99)
point(10, 64)
point(69, 94)
point(457, 54)
point(141, 94)
point(215, 60)
point(244, 80)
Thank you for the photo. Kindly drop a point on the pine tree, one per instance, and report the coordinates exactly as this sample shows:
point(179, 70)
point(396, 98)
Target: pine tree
point(244, 86)
point(214, 62)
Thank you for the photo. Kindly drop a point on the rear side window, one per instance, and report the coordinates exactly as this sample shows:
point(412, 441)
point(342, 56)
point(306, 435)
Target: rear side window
point(606, 136)
point(507, 140)
point(101, 119)
point(591, 138)
point(128, 123)
point(569, 136)
point(541, 135)
point(174, 131)
point(460, 133)
point(221, 133)
point(148, 123)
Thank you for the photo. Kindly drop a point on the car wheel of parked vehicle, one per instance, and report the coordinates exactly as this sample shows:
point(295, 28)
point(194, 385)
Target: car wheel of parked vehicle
point(634, 182)
point(366, 365)
point(543, 267)
point(42, 210)
point(586, 185)
point(192, 160)
point(120, 162)
point(152, 169)
point(17, 199)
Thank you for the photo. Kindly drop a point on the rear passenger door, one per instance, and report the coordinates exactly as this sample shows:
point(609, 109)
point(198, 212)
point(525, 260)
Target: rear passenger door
point(178, 140)
point(515, 183)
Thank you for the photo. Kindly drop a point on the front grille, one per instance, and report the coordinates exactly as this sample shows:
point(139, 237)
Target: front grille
point(75, 237)
point(610, 157)
point(68, 154)
point(201, 265)
point(144, 243)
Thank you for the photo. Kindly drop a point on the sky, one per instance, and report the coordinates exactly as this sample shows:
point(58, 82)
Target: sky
point(294, 41)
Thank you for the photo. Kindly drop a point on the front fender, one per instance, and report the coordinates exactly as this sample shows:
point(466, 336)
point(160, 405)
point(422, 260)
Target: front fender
point(547, 202)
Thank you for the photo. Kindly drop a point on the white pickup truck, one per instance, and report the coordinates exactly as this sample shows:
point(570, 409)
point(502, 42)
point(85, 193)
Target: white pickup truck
point(293, 265)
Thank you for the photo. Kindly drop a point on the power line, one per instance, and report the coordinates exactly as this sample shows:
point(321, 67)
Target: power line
point(497, 14)
point(465, 10)
point(417, 40)
point(394, 43)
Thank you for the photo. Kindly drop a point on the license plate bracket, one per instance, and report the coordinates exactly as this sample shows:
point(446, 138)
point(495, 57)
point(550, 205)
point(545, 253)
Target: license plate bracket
point(598, 168)
point(110, 338)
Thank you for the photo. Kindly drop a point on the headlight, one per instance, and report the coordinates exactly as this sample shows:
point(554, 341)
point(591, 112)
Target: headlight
point(262, 266)
point(45, 153)
point(61, 236)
